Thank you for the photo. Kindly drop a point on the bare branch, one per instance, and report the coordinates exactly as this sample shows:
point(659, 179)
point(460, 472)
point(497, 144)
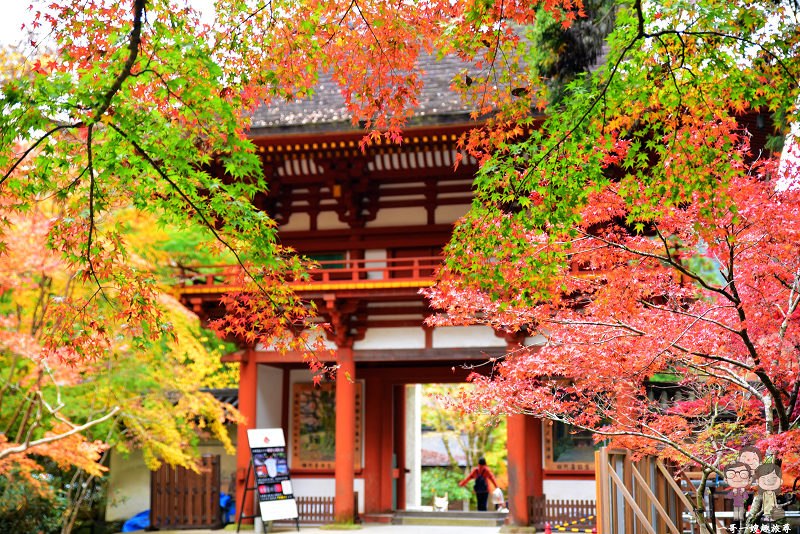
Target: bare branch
point(50, 439)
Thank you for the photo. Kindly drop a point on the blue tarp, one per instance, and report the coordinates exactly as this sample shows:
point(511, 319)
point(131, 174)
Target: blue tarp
point(137, 522)
point(228, 506)
point(142, 520)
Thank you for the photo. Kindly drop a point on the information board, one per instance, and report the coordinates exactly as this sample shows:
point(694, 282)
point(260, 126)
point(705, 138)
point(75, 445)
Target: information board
point(273, 483)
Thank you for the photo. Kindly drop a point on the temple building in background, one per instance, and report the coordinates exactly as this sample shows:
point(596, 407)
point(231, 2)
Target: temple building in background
point(377, 222)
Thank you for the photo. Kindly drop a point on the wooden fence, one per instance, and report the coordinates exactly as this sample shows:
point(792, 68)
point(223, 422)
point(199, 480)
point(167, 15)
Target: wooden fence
point(318, 510)
point(183, 499)
point(541, 510)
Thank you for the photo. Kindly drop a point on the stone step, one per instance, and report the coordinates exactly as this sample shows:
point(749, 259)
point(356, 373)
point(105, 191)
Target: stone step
point(452, 514)
point(455, 518)
point(377, 518)
point(448, 522)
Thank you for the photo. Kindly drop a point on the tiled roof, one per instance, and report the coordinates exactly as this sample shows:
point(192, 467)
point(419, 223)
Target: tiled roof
point(434, 452)
point(226, 395)
point(326, 109)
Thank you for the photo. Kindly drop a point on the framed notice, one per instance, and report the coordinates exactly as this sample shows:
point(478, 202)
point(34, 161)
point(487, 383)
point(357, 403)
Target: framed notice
point(314, 426)
point(567, 448)
point(273, 483)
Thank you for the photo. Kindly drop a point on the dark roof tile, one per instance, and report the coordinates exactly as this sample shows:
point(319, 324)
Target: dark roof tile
point(327, 106)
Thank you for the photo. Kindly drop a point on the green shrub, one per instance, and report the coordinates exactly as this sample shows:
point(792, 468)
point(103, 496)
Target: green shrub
point(443, 480)
point(23, 508)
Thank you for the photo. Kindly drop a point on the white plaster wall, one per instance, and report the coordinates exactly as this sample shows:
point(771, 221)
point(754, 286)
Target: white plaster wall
point(449, 337)
point(570, 489)
point(329, 220)
point(327, 343)
point(449, 214)
point(128, 486)
point(413, 216)
point(326, 487)
point(260, 347)
point(269, 399)
point(538, 339)
point(375, 254)
point(298, 222)
point(392, 338)
point(413, 445)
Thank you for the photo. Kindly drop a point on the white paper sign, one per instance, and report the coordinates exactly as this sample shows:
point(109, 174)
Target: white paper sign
point(273, 484)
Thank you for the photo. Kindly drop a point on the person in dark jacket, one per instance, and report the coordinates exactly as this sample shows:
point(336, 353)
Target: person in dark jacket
point(482, 475)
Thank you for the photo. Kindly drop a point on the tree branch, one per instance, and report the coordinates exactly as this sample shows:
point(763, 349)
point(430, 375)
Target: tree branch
point(50, 439)
point(133, 47)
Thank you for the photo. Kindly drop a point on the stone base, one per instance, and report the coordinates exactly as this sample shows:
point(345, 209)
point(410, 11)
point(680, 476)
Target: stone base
point(508, 529)
point(377, 518)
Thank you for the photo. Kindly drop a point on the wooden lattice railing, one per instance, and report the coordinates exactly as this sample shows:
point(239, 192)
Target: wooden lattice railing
point(541, 511)
point(318, 510)
point(395, 269)
point(209, 278)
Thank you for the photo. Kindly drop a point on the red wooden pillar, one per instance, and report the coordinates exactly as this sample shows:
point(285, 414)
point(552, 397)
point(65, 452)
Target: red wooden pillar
point(517, 471)
point(387, 448)
point(517, 455)
point(533, 463)
point(248, 386)
point(399, 476)
point(345, 434)
point(372, 445)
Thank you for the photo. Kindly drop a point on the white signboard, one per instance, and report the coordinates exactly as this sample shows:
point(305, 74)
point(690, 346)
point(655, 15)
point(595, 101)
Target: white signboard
point(273, 484)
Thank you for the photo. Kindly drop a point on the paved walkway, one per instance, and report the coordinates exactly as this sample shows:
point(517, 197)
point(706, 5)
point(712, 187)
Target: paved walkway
point(368, 529)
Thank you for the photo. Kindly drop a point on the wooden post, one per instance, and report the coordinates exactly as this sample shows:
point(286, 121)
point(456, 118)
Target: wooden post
point(386, 450)
point(345, 433)
point(248, 387)
point(599, 481)
point(517, 451)
point(372, 445)
point(627, 480)
point(533, 460)
point(400, 443)
point(517, 471)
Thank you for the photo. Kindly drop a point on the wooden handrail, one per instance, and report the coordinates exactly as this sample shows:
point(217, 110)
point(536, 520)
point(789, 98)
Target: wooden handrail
point(414, 268)
point(631, 502)
point(654, 501)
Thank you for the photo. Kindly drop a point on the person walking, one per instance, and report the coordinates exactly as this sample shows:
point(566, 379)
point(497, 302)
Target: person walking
point(482, 475)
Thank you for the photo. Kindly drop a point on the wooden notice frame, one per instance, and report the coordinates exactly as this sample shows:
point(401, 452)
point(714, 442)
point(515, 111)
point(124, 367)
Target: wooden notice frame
point(306, 446)
point(273, 484)
point(550, 463)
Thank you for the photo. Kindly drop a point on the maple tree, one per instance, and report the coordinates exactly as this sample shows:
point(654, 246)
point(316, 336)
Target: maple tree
point(640, 172)
point(705, 299)
point(69, 416)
